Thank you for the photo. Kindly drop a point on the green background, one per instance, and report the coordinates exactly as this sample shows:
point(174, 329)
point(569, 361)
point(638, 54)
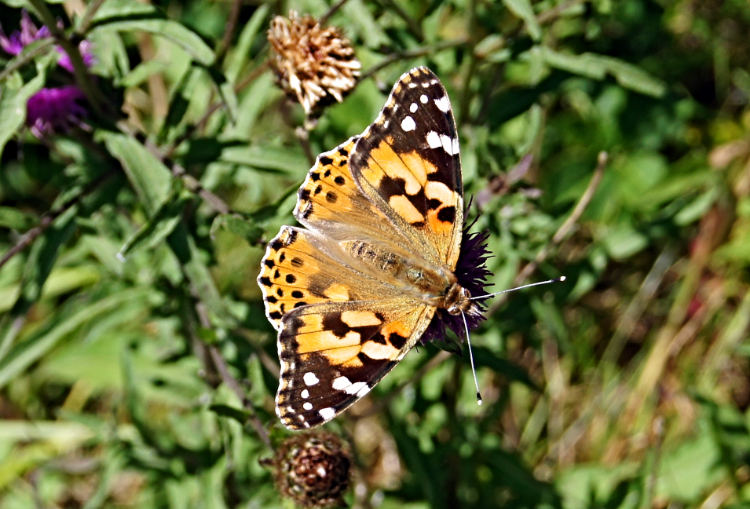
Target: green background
point(133, 288)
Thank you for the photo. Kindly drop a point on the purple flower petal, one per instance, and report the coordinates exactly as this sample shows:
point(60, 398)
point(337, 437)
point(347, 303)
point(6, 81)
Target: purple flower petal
point(54, 110)
point(14, 44)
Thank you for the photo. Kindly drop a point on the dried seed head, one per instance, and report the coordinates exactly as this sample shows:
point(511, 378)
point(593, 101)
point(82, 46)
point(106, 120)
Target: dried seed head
point(313, 64)
point(313, 470)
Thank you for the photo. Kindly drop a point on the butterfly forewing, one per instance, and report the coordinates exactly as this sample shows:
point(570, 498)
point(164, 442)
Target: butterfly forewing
point(408, 164)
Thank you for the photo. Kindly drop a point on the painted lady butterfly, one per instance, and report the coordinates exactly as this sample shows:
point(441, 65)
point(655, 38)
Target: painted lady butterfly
point(354, 291)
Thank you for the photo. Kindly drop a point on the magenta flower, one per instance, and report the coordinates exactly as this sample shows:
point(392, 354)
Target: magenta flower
point(54, 109)
point(14, 44)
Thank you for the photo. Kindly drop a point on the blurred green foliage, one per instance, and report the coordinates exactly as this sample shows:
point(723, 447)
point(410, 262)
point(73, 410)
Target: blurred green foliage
point(132, 246)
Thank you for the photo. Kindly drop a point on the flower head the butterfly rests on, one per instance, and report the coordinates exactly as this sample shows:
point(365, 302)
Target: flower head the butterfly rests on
point(384, 259)
point(52, 109)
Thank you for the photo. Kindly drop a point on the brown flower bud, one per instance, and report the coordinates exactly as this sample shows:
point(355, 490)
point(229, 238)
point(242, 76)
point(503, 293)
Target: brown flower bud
point(313, 64)
point(313, 470)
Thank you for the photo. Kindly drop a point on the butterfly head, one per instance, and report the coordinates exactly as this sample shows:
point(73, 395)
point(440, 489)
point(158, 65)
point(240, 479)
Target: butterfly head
point(458, 300)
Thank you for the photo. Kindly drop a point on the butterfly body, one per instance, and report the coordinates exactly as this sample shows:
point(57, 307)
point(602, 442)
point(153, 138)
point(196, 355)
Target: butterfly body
point(354, 290)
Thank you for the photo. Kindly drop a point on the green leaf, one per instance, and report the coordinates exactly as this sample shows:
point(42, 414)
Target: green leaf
point(13, 101)
point(27, 55)
point(171, 30)
point(149, 177)
point(15, 219)
point(368, 28)
point(67, 320)
point(486, 357)
point(597, 67)
point(123, 10)
point(179, 103)
point(142, 72)
point(237, 414)
point(623, 241)
point(60, 280)
point(244, 228)
point(524, 10)
point(237, 59)
point(202, 282)
point(158, 227)
point(43, 255)
point(226, 92)
point(270, 159)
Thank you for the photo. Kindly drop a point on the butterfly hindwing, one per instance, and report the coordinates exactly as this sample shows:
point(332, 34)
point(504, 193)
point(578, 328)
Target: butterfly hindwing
point(407, 162)
point(333, 354)
point(301, 267)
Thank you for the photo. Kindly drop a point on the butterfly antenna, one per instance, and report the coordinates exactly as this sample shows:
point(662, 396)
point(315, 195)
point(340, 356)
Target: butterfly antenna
point(556, 280)
point(471, 358)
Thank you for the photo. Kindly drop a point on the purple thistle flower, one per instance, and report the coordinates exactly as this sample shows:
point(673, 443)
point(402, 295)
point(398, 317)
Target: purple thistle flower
point(14, 44)
point(471, 272)
point(52, 109)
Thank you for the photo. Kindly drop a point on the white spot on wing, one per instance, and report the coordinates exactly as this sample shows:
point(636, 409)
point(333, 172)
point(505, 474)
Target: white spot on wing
point(355, 388)
point(424, 99)
point(449, 145)
point(341, 383)
point(363, 391)
point(443, 104)
point(310, 379)
point(327, 413)
point(307, 405)
point(413, 107)
point(433, 140)
point(407, 124)
point(305, 394)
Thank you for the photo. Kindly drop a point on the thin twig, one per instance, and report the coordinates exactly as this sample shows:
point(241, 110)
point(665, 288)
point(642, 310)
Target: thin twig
point(413, 53)
point(561, 232)
point(194, 186)
point(88, 17)
point(226, 377)
point(304, 140)
point(414, 27)
point(226, 40)
point(235, 386)
point(47, 219)
point(330, 12)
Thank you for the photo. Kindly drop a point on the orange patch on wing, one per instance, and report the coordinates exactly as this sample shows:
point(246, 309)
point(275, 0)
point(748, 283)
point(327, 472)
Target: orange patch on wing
point(344, 356)
point(377, 351)
point(437, 225)
point(326, 340)
point(405, 208)
point(394, 166)
point(337, 292)
point(439, 191)
point(360, 318)
point(419, 166)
